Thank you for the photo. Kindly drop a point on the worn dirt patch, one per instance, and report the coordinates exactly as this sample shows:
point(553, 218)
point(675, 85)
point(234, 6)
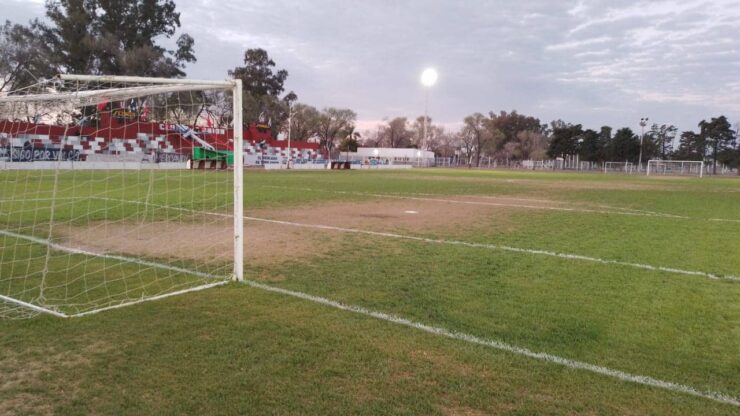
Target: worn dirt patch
point(209, 242)
point(418, 216)
point(208, 238)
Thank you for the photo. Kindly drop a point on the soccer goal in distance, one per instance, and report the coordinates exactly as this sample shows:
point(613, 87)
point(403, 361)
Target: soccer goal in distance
point(675, 167)
point(618, 167)
point(117, 190)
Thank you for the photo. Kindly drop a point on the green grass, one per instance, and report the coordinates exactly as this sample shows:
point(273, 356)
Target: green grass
point(241, 350)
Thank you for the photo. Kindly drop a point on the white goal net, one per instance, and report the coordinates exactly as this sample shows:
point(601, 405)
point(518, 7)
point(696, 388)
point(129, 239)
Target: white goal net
point(117, 190)
point(675, 167)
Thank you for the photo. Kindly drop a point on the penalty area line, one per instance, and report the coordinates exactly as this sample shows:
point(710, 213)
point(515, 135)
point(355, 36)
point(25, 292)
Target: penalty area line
point(503, 248)
point(579, 257)
point(149, 299)
point(502, 346)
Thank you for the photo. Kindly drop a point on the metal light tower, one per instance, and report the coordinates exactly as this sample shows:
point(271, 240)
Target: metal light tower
point(643, 123)
point(428, 79)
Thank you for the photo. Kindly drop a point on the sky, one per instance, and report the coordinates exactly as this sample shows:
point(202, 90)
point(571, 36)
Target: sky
point(588, 62)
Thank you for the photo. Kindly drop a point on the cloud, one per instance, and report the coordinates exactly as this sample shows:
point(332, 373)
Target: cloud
point(594, 62)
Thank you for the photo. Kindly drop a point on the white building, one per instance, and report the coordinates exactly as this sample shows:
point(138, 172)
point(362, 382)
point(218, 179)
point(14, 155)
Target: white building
point(390, 156)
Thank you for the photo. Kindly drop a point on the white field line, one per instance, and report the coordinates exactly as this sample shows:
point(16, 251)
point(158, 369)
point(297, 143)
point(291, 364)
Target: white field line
point(492, 197)
point(494, 204)
point(503, 248)
point(124, 259)
point(149, 299)
point(723, 220)
point(639, 379)
point(33, 307)
point(550, 358)
point(665, 269)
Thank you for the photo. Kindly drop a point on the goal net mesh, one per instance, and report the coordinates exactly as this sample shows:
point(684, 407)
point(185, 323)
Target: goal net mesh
point(113, 192)
point(676, 167)
point(618, 167)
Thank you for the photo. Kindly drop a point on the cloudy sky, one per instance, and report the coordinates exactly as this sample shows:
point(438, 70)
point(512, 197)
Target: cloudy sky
point(590, 62)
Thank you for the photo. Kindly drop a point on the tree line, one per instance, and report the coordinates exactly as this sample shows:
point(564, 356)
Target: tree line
point(127, 37)
point(124, 38)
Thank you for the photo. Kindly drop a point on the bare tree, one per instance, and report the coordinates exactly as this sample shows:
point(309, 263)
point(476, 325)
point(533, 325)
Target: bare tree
point(305, 122)
point(475, 129)
point(332, 122)
point(396, 133)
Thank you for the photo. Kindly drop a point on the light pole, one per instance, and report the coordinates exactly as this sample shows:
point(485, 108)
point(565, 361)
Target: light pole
point(643, 123)
point(428, 79)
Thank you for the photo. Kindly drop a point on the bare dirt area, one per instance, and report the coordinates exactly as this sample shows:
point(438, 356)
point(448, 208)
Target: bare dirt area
point(209, 238)
point(212, 241)
point(400, 215)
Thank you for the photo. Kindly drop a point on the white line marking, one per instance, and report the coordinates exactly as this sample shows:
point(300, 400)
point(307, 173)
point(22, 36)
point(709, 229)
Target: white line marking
point(149, 299)
point(723, 220)
point(712, 276)
point(495, 204)
point(617, 374)
point(504, 248)
point(33, 307)
point(411, 212)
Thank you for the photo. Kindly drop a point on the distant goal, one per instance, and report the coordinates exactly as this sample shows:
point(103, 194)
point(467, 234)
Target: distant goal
point(116, 191)
point(676, 167)
point(618, 167)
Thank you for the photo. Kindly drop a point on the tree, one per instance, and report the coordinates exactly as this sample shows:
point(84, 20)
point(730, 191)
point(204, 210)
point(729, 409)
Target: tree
point(718, 135)
point(304, 122)
point(662, 137)
point(565, 139)
point(396, 133)
point(506, 126)
point(332, 122)
point(591, 149)
point(262, 86)
point(116, 37)
point(351, 140)
point(625, 146)
point(417, 129)
point(531, 145)
point(24, 56)
point(475, 127)
point(257, 74)
point(690, 147)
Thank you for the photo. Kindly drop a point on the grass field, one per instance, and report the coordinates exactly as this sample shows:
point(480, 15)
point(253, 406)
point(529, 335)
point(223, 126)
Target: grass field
point(454, 292)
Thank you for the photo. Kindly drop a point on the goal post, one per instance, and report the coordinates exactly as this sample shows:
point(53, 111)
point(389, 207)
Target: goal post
point(675, 167)
point(116, 190)
point(616, 167)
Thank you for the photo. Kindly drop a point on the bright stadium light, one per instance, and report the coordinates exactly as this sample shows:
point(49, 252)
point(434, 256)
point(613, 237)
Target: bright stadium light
point(429, 77)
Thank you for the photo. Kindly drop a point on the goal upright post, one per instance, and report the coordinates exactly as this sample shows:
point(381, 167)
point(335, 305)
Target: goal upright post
point(238, 183)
